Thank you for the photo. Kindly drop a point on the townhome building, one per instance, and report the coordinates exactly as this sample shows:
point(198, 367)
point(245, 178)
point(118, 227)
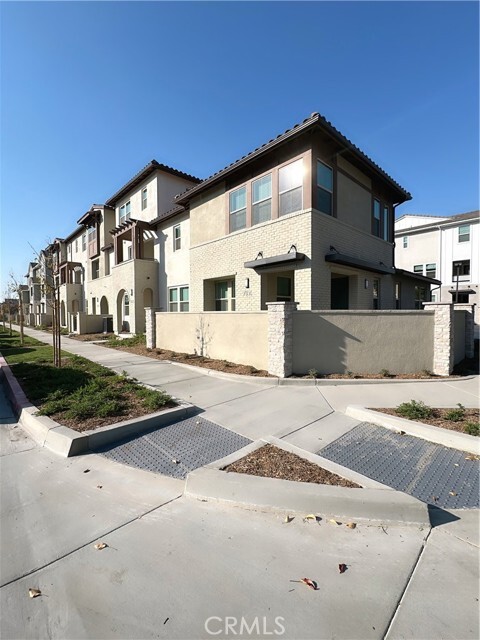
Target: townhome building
point(445, 248)
point(39, 298)
point(307, 217)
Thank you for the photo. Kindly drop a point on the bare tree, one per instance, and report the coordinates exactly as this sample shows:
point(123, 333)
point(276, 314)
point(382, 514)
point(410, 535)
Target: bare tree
point(16, 287)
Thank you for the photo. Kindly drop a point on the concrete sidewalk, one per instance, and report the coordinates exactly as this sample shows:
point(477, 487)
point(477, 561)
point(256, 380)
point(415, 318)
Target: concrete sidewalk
point(169, 557)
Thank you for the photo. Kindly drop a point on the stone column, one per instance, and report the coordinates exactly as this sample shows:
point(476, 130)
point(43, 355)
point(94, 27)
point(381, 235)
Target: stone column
point(280, 338)
point(443, 338)
point(150, 328)
point(469, 328)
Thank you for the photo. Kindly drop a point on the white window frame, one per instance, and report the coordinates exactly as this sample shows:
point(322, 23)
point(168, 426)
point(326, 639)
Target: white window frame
point(230, 297)
point(177, 239)
point(181, 306)
point(405, 242)
point(418, 268)
point(95, 271)
point(84, 241)
point(144, 198)
point(465, 236)
point(429, 271)
point(125, 215)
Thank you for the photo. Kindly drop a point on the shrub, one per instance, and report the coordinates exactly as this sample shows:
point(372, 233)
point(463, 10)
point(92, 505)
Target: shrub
point(414, 410)
point(472, 428)
point(312, 373)
point(385, 373)
point(455, 415)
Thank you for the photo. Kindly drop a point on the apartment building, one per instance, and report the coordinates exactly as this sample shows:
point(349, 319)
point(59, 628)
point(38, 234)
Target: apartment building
point(445, 248)
point(36, 297)
point(306, 217)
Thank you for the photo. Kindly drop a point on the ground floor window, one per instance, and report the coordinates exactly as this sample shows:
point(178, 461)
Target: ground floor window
point(178, 299)
point(225, 295)
point(126, 305)
point(398, 293)
point(420, 297)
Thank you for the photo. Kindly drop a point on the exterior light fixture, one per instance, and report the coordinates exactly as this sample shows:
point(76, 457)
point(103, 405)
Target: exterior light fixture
point(247, 283)
point(292, 248)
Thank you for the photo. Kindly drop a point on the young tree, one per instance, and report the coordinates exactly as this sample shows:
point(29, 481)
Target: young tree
point(15, 286)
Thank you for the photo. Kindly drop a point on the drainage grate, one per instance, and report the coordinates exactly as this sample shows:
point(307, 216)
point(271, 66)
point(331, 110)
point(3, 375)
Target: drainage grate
point(193, 442)
point(427, 471)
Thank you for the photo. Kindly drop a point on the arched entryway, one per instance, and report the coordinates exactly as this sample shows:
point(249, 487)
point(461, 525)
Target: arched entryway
point(104, 306)
point(123, 311)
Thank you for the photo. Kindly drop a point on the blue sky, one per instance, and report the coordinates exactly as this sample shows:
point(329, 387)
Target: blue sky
point(92, 91)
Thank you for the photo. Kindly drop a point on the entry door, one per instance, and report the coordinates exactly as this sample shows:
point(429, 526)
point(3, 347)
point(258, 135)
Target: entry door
point(339, 293)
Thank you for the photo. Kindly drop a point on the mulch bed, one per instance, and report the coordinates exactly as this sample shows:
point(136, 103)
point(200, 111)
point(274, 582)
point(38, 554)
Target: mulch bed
point(198, 361)
point(438, 418)
point(422, 375)
point(271, 462)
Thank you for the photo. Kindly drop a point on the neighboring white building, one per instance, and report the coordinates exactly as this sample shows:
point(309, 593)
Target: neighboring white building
point(446, 248)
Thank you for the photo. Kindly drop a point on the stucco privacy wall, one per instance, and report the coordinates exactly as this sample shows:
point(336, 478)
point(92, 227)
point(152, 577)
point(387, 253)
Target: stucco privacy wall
point(362, 341)
point(237, 337)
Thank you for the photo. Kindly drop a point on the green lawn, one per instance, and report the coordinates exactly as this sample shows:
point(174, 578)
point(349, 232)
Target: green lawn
point(80, 390)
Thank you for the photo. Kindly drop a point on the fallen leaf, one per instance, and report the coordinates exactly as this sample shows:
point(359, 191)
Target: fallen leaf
point(452, 493)
point(351, 525)
point(175, 461)
point(342, 567)
point(401, 433)
point(288, 519)
point(312, 517)
point(434, 498)
point(34, 593)
point(99, 486)
point(333, 521)
point(472, 457)
point(101, 545)
point(310, 583)
point(87, 471)
point(456, 464)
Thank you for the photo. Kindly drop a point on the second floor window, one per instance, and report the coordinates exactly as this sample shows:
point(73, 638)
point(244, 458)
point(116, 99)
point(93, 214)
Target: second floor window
point(431, 270)
point(84, 241)
point(238, 209)
point(177, 237)
point(290, 188)
point(405, 242)
point(324, 188)
point(95, 269)
point(144, 199)
point(262, 199)
point(464, 233)
point(125, 212)
point(418, 268)
point(386, 217)
point(461, 268)
point(376, 218)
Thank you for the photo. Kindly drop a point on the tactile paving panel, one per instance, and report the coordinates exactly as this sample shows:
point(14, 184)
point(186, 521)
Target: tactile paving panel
point(192, 442)
point(432, 473)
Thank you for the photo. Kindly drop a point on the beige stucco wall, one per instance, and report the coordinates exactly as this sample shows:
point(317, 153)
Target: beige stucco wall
point(225, 257)
point(354, 203)
point(174, 265)
point(362, 341)
point(207, 216)
point(237, 337)
point(353, 171)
